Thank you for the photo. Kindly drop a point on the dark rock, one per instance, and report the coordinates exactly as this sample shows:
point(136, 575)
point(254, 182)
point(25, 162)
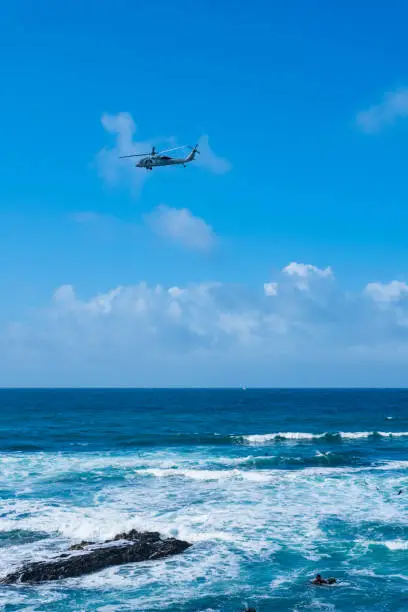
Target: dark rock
point(132, 535)
point(80, 546)
point(136, 547)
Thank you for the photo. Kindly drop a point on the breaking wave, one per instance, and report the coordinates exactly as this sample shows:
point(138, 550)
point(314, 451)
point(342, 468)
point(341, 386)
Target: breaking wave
point(329, 436)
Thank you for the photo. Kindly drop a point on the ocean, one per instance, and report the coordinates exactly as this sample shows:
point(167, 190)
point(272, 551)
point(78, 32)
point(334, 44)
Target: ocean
point(270, 487)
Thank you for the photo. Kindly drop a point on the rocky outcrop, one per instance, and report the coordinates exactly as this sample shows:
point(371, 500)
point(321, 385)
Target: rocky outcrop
point(88, 557)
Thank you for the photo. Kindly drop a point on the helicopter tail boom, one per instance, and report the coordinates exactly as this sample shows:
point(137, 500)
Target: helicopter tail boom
point(192, 155)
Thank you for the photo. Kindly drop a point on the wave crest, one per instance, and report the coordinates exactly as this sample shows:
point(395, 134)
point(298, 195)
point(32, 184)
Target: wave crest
point(303, 436)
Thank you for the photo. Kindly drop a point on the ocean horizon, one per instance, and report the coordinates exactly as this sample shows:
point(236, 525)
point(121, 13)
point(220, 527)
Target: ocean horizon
point(202, 388)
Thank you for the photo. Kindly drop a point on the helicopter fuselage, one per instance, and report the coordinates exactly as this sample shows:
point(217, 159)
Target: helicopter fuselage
point(151, 162)
point(154, 159)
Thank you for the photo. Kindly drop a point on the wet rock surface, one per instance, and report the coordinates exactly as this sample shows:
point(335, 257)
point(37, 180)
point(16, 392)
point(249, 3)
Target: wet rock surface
point(88, 557)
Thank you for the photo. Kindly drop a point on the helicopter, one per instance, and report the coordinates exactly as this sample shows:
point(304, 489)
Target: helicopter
point(155, 159)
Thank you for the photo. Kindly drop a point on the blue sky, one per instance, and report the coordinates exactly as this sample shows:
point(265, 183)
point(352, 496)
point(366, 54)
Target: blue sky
point(305, 107)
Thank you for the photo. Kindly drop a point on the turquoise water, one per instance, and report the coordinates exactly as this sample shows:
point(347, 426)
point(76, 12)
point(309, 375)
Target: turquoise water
point(271, 487)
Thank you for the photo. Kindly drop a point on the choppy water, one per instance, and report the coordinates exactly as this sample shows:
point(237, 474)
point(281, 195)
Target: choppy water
point(270, 486)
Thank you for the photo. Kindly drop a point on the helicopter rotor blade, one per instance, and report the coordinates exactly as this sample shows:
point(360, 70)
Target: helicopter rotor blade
point(154, 152)
point(173, 149)
point(134, 155)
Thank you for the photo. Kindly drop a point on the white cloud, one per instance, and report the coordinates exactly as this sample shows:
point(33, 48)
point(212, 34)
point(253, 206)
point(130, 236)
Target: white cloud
point(212, 333)
point(306, 270)
point(209, 160)
point(303, 274)
point(175, 292)
point(116, 171)
point(271, 289)
point(181, 226)
point(177, 225)
point(65, 295)
point(65, 299)
point(111, 168)
point(394, 106)
point(388, 292)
